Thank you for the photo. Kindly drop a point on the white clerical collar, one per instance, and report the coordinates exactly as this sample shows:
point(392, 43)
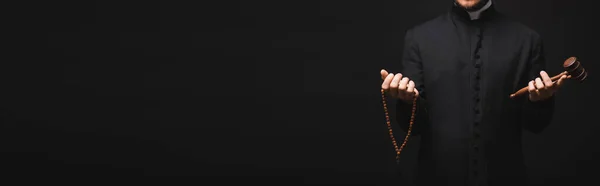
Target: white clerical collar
point(476, 14)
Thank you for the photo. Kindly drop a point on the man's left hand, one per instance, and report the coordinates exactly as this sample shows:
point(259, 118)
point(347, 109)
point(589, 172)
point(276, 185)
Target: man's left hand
point(543, 88)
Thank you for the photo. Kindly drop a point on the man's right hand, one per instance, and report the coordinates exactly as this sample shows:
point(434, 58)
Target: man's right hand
point(399, 87)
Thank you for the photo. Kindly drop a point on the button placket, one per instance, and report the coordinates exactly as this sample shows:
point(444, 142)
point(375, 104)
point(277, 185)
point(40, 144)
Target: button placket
point(476, 149)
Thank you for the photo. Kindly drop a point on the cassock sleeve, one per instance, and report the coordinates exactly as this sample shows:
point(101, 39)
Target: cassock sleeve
point(537, 115)
point(412, 68)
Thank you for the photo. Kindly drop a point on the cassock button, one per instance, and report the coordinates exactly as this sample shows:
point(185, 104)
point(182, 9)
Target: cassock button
point(477, 56)
point(476, 147)
point(477, 65)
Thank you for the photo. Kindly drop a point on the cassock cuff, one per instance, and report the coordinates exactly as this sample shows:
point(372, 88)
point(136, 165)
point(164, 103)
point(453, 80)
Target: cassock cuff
point(547, 103)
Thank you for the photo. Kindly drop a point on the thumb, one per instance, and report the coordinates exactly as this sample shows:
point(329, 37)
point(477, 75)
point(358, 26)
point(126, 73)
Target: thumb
point(384, 73)
point(560, 81)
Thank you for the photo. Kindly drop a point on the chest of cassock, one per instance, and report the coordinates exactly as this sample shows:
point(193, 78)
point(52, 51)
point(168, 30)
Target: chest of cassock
point(468, 70)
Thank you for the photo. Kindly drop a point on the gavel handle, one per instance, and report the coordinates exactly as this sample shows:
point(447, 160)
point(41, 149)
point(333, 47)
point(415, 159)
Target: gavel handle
point(525, 89)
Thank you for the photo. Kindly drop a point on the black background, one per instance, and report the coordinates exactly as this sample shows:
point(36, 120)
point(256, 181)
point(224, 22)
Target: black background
point(283, 92)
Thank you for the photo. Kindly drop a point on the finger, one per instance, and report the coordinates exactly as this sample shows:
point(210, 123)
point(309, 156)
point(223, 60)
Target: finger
point(533, 93)
point(548, 84)
point(410, 89)
point(540, 88)
point(417, 92)
point(386, 82)
point(394, 85)
point(538, 83)
point(402, 86)
point(383, 73)
point(531, 87)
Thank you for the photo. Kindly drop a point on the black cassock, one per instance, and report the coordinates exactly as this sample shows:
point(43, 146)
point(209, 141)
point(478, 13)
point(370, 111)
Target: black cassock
point(465, 70)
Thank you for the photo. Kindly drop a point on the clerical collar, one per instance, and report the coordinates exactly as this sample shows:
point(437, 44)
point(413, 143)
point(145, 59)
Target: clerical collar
point(476, 14)
point(486, 11)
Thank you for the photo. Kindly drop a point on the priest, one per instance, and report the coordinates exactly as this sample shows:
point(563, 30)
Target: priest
point(461, 67)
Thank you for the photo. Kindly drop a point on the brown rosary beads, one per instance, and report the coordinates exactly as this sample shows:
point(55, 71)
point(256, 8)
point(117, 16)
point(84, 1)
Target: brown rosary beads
point(389, 125)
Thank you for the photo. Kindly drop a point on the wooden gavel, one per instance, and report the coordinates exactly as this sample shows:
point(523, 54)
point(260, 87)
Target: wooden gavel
point(573, 70)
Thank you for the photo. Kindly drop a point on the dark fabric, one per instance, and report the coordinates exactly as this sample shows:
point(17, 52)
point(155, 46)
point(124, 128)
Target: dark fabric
point(465, 71)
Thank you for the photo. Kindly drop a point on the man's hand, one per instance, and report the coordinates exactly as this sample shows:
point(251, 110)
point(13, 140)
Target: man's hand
point(543, 88)
point(399, 87)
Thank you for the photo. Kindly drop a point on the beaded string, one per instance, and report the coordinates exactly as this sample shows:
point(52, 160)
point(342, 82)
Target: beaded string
point(389, 125)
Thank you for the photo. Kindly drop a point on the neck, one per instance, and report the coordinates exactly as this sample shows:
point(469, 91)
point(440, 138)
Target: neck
point(475, 11)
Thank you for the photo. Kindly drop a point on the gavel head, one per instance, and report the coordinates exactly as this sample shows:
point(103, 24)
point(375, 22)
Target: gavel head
point(574, 69)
